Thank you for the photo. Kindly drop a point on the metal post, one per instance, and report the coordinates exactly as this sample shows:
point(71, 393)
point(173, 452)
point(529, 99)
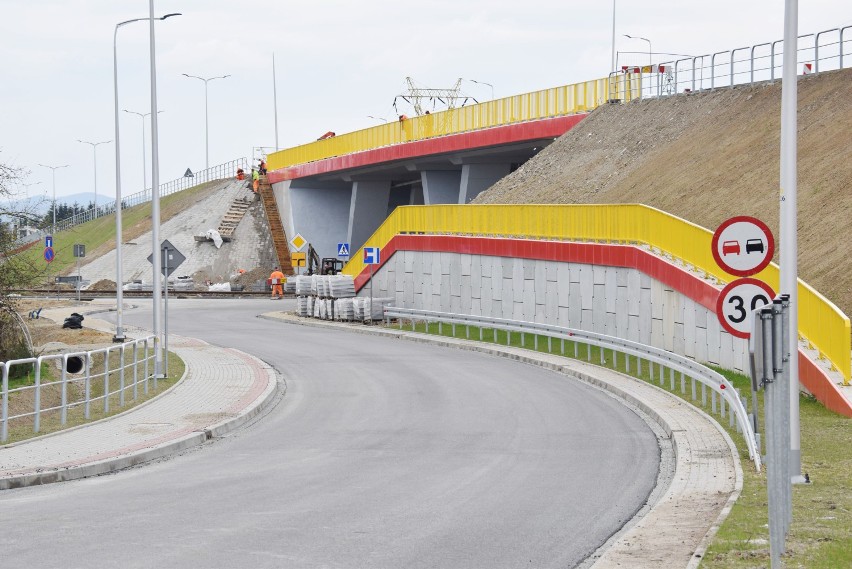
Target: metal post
point(155, 197)
point(788, 218)
point(166, 310)
point(275, 99)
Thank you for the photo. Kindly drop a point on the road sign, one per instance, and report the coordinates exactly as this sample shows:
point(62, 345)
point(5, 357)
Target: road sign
point(172, 260)
point(372, 255)
point(48, 240)
point(737, 302)
point(79, 250)
point(343, 249)
point(298, 259)
point(49, 255)
point(297, 242)
point(743, 246)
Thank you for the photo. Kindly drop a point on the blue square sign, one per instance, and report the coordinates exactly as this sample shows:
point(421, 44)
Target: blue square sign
point(343, 249)
point(372, 255)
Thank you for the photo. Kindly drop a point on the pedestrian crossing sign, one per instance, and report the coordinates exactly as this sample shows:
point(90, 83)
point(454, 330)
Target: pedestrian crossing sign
point(343, 249)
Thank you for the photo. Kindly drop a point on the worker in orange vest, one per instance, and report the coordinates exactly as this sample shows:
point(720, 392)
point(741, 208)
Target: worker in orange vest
point(276, 279)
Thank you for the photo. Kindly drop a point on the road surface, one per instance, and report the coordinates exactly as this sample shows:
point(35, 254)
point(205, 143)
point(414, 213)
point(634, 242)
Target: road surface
point(382, 453)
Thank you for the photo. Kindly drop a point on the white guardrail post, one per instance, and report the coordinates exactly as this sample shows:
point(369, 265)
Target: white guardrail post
point(730, 401)
point(74, 367)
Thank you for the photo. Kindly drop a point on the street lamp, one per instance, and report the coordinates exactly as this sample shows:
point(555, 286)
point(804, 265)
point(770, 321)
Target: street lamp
point(119, 331)
point(144, 159)
point(484, 83)
point(206, 129)
point(95, 157)
point(54, 168)
point(650, 59)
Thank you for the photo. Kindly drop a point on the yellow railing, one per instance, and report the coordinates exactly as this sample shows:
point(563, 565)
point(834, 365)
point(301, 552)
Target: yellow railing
point(555, 102)
point(820, 321)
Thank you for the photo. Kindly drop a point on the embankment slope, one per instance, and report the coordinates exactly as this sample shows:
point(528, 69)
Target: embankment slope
point(708, 156)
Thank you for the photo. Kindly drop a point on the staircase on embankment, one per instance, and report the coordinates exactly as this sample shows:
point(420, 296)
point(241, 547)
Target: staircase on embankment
point(279, 237)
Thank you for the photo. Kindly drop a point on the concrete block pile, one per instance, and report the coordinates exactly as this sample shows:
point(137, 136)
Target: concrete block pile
point(332, 297)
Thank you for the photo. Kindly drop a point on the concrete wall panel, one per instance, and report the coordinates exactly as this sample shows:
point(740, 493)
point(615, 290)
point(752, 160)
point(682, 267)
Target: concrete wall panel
point(608, 300)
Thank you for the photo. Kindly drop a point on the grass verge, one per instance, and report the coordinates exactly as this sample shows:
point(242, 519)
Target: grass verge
point(821, 534)
point(22, 402)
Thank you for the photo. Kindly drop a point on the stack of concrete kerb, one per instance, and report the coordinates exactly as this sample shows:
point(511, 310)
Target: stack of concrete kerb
point(328, 297)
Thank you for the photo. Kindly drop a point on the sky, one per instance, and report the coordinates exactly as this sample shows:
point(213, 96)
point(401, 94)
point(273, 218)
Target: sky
point(338, 62)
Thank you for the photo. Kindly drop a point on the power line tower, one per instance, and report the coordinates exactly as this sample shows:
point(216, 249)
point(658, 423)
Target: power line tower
point(420, 97)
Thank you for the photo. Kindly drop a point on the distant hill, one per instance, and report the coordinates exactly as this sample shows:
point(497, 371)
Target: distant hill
point(39, 204)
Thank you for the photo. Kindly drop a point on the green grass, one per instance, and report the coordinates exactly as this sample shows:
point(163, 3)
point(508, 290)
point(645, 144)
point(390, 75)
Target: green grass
point(821, 534)
point(101, 231)
point(22, 429)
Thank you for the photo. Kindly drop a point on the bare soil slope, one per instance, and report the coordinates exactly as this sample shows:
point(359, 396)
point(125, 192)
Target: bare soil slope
point(708, 156)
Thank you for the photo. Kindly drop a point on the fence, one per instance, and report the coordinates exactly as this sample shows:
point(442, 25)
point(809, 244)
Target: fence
point(547, 103)
point(218, 172)
point(730, 402)
point(84, 378)
point(820, 321)
point(822, 51)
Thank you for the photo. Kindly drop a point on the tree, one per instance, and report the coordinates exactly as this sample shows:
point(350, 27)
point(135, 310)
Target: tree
point(15, 271)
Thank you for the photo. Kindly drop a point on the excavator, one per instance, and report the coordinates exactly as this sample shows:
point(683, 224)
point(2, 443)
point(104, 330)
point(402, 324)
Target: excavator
point(328, 265)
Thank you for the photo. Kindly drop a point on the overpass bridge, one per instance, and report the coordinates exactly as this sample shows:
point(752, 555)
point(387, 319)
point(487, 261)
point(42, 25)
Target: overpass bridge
point(341, 188)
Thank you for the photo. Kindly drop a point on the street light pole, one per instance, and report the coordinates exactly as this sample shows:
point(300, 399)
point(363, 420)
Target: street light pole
point(275, 100)
point(155, 202)
point(144, 155)
point(650, 58)
point(613, 38)
point(119, 281)
point(206, 124)
point(484, 83)
point(94, 146)
point(54, 168)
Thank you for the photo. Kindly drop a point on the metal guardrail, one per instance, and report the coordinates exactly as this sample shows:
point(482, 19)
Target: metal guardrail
point(90, 366)
point(547, 103)
point(820, 321)
point(689, 369)
point(218, 172)
point(824, 51)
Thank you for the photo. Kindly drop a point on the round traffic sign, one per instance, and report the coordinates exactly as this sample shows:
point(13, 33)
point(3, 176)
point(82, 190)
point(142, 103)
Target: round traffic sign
point(743, 246)
point(49, 255)
point(738, 300)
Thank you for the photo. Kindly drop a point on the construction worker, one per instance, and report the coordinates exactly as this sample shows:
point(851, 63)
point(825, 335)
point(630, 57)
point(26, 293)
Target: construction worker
point(255, 179)
point(276, 279)
point(241, 175)
point(262, 167)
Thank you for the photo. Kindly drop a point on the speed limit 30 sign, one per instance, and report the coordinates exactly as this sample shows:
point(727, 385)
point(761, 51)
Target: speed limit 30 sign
point(738, 300)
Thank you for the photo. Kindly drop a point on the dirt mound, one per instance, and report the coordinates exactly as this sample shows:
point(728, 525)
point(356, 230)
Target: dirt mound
point(103, 284)
point(708, 156)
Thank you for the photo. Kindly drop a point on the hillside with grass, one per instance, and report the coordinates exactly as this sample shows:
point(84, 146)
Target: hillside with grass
point(708, 156)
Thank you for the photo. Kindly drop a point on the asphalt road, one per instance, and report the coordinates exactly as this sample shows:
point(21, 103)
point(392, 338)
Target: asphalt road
point(382, 454)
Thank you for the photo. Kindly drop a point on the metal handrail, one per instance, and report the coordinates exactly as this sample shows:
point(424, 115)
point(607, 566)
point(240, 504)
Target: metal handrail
point(675, 363)
point(134, 364)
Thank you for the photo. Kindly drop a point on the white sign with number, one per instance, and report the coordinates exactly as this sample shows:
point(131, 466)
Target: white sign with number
point(737, 302)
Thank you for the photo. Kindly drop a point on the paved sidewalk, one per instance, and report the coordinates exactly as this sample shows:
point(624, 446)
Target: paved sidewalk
point(221, 390)
point(680, 523)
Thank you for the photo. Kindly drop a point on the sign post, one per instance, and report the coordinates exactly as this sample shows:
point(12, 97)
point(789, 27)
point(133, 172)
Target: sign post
point(372, 256)
point(170, 259)
point(79, 253)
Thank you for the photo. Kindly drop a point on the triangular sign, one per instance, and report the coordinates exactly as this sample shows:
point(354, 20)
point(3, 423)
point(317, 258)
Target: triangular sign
point(188, 174)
